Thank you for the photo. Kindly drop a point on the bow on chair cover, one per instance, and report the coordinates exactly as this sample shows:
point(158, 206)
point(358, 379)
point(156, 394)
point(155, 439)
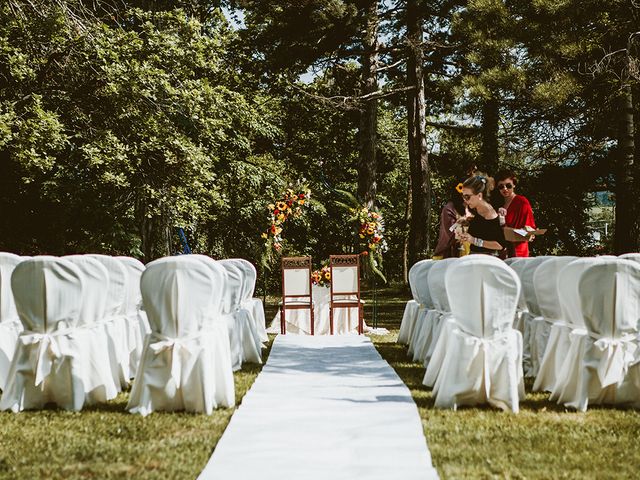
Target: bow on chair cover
point(549, 351)
point(478, 356)
point(10, 326)
point(607, 369)
point(186, 363)
point(412, 307)
point(420, 327)
point(48, 363)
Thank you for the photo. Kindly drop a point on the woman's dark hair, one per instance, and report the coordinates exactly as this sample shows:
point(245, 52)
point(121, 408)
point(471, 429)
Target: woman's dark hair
point(480, 183)
point(506, 174)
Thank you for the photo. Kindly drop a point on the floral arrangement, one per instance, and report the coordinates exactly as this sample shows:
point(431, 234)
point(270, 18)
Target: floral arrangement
point(321, 277)
point(370, 225)
point(371, 230)
point(291, 204)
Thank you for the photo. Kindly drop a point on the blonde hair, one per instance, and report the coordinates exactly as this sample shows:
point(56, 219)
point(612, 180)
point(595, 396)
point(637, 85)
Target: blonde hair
point(480, 183)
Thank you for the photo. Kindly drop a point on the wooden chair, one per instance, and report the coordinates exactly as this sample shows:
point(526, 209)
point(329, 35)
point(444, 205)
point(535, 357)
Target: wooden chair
point(296, 289)
point(345, 285)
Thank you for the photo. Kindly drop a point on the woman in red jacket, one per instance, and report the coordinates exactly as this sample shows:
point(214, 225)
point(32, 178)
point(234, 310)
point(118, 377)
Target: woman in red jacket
point(516, 210)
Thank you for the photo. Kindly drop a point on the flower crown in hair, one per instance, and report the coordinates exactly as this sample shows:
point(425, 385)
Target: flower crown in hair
point(459, 187)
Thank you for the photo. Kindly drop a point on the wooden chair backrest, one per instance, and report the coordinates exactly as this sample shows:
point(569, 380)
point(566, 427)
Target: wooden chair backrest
point(296, 277)
point(345, 275)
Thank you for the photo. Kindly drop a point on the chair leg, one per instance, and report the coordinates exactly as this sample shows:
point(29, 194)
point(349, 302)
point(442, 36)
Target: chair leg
point(360, 320)
point(331, 319)
point(283, 323)
point(313, 321)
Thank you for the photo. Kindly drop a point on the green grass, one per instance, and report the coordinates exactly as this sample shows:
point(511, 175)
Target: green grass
point(106, 441)
point(543, 441)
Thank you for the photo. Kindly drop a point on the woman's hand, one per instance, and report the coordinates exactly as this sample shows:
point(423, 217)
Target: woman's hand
point(465, 237)
point(502, 212)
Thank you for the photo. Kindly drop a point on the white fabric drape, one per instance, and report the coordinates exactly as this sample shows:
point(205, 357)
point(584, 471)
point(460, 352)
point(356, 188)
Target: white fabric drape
point(607, 370)
point(413, 306)
point(299, 320)
point(10, 326)
point(246, 344)
point(422, 322)
point(47, 365)
point(252, 305)
point(114, 322)
point(433, 320)
point(478, 356)
point(549, 346)
point(570, 339)
point(99, 382)
point(519, 321)
point(532, 318)
point(630, 256)
point(135, 321)
point(186, 363)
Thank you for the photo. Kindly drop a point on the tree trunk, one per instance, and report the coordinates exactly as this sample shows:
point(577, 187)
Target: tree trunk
point(405, 244)
point(417, 140)
point(627, 233)
point(489, 152)
point(367, 166)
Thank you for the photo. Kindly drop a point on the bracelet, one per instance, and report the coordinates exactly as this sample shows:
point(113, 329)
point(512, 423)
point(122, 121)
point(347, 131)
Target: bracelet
point(478, 242)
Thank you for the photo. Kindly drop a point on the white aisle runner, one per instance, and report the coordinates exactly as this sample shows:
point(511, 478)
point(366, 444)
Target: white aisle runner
point(324, 407)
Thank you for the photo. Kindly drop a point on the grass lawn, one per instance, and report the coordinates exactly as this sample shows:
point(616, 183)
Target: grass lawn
point(106, 441)
point(543, 441)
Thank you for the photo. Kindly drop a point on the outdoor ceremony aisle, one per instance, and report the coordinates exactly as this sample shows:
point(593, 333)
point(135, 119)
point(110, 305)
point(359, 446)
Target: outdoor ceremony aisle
point(324, 407)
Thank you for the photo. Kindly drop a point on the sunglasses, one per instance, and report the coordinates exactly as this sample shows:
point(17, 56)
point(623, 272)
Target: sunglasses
point(466, 196)
point(508, 186)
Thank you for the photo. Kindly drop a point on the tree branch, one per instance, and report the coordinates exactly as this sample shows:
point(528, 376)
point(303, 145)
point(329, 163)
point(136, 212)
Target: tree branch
point(352, 102)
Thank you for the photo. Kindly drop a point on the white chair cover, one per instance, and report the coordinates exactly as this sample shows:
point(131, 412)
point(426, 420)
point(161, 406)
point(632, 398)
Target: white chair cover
point(185, 363)
point(436, 316)
point(533, 315)
point(10, 326)
point(412, 307)
point(137, 325)
point(521, 312)
point(546, 353)
point(610, 368)
point(47, 365)
point(245, 341)
point(571, 340)
point(253, 305)
point(99, 384)
point(479, 354)
point(115, 319)
point(631, 256)
point(421, 285)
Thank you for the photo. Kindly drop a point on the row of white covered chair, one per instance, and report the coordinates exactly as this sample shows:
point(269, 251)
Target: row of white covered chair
point(80, 334)
point(39, 324)
point(576, 317)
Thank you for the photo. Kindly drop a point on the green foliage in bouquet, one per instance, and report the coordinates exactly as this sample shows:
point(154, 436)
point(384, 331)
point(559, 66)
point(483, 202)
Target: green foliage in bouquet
point(370, 227)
